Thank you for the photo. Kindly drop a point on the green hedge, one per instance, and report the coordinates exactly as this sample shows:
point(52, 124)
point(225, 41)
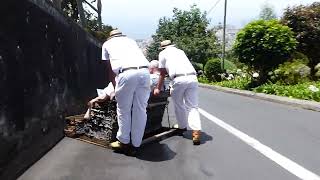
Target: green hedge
point(291, 73)
point(299, 91)
point(229, 66)
point(212, 69)
point(238, 83)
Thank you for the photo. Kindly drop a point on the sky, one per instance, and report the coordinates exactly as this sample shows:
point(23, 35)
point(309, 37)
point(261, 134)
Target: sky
point(139, 18)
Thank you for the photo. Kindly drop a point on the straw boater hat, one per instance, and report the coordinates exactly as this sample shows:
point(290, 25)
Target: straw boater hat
point(165, 44)
point(115, 33)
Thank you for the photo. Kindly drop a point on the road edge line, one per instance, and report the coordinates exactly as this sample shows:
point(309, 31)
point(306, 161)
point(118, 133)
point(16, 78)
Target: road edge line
point(276, 157)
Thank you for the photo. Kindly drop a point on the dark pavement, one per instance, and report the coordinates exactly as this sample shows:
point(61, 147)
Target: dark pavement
point(291, 132)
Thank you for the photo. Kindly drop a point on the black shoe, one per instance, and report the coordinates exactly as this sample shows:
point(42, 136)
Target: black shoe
point(119, 147)
point(179, 131)
point(132, 151)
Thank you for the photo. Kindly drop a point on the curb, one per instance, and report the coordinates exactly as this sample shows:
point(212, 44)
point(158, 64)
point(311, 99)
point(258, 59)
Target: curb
point(304, 104)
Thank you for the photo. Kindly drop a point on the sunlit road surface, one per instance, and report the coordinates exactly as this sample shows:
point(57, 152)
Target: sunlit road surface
point(243, 139)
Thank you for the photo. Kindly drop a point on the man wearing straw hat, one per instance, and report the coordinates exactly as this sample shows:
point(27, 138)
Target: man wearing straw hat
point(185, 88)
point(128, 70)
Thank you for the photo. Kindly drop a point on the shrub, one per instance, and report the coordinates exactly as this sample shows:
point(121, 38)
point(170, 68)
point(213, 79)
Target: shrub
point(305, 22)
point(317, 69)
point(197, 66)
point(212, 69)
point(300, 56)
point(203, 79)
point(290, 73)
point(264, 45)
point(229, 66)
point(238, 83)
point(306, 91)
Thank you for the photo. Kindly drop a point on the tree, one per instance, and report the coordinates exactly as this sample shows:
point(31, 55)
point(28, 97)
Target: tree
point(70, 8)
point(263, 45)
point(188, 30)
point(153, 49)
point(305, 22)
point(267, 12)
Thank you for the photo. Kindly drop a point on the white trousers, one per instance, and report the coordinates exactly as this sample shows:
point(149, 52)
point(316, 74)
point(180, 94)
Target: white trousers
point(185, 98)
point(132, 92)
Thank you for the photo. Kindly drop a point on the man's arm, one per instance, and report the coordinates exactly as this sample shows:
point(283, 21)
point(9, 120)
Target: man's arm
point(98, 99)
point(105, 57)
point(163, 73)
point(111, 75)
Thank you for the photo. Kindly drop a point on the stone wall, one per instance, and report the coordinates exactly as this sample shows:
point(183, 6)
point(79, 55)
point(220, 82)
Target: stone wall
point(49, 68)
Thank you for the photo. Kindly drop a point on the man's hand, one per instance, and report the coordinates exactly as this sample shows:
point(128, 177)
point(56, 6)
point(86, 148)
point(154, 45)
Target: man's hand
point(156, 91)
point(92, 103)
point(112, 95)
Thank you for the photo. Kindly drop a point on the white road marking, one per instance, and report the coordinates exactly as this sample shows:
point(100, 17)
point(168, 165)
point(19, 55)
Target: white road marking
point(281, 160)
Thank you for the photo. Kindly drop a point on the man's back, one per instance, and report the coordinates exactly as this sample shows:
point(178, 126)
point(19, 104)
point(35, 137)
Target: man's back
point(124, 52)
point(176, 61)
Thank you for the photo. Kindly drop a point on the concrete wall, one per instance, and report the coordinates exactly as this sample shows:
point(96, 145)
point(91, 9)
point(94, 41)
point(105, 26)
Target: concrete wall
point(49, 69)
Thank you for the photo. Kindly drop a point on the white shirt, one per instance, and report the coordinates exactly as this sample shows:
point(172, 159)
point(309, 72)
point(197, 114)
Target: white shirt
point(123, 52)
point(106, 91)
point(175, 61)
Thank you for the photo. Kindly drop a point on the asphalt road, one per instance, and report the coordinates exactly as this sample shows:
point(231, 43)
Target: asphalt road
point(224, 155)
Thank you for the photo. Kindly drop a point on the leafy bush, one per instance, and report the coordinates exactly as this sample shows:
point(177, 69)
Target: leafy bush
point(264, 45)
point(306, 91)
point(197, 66)
point(305, 22)
point(212, 69)
point(238, 83)
point(229, 66)
point(317, 69)
point(299, 56)
point(203, 79)
point(290, 73)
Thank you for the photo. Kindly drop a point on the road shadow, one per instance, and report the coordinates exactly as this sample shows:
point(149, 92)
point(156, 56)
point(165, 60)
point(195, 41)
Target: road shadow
point(156, 152)
point(204, 136)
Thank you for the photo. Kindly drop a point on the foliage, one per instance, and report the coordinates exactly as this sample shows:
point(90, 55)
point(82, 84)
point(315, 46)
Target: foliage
point(299, 56)
point(229, 66)
point(264, 45)
point(237, 83)
point(153, 49)
point(203, 79)
point(267, 12)
point(102, 35)
point(291, 72)
point(300, 91)
point(70, 8)
point(305, 22)
point(93, 28)
point(197, 66)
point(212, 69)
point(317, 70)
point(188, 30)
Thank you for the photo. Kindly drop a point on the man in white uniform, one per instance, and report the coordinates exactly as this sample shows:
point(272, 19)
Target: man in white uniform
point(184, 89)
point(129, 66)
